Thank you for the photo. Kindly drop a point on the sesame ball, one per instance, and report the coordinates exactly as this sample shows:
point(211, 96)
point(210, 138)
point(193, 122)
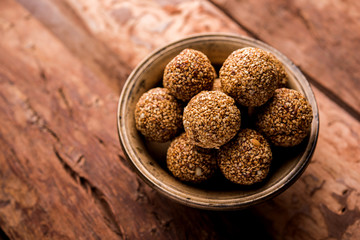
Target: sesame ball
point(285, 120)
point(283, 78)
point(211, 119)
point(158, 115)
point(246, 159)
point(188, 162)
point(250, 76)
point(188, 73)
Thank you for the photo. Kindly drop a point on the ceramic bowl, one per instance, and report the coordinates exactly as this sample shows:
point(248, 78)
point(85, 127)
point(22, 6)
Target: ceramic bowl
point(149, 159)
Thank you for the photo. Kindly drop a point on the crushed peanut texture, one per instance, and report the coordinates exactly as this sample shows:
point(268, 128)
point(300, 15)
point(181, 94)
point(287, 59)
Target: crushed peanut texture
point(188, 73)
point(188, 162)
point(286, 119)
point(158, 115)
point(250, 76)
point(246, 159)
point(211, 119)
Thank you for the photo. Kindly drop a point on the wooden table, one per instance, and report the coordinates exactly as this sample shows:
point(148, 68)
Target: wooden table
point(63, 174)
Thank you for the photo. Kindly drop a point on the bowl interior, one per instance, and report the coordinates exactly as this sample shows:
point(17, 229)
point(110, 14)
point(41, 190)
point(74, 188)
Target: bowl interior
point(149, 158)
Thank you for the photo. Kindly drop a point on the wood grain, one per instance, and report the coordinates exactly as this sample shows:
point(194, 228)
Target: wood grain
point(319, 36)
point(111, 37)
point(61, 167)
point(63, 174)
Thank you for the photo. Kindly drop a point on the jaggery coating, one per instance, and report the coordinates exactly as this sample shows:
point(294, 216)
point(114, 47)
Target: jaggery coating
point(188, 73)
point(158, 115)
point(216, 85)
point(246, 159)
point(188, 162)
point(250, 76)
point(286, 118)
point(211, 119)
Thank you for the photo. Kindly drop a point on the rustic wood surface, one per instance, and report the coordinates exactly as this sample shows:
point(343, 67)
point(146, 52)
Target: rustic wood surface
point(63, 174)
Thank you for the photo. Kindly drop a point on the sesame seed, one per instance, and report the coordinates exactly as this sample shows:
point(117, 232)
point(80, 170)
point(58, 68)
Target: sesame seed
point(286, 119)
point(250, 76)
point(188, 162)
point(158, 115)
point(243, 164)
point(188, 73)
point(211, 119)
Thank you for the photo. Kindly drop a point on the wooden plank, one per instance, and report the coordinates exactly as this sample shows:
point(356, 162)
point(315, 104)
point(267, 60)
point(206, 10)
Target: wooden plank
point(120, 34)
point(319, 36)
point(42, 200)
point(70, 29)
point(38, 199)
point(72, 113)
point(63, 174)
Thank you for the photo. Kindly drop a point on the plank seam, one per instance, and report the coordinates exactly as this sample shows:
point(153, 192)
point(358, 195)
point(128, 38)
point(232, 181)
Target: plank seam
point(334, 97)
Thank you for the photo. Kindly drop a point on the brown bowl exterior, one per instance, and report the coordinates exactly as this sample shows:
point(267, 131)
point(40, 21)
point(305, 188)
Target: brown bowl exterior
point(148, 159)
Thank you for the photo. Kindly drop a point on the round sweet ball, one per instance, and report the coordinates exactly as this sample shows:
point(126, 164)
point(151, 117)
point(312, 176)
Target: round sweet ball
point(188, 73)
point(188, 162)
point(286, 119)
point(158, 115)
point(283, 77)
point(246, 159)
point(211, 119)
point(250, 76)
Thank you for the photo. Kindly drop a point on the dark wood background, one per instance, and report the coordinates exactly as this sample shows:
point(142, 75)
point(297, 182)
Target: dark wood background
point(63, 174)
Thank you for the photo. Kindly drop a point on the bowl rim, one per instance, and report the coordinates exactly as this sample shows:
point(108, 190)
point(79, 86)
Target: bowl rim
point(223, 204)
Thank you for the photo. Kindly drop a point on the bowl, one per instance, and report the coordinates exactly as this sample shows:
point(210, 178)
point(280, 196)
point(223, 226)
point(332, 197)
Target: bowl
point(149, 159)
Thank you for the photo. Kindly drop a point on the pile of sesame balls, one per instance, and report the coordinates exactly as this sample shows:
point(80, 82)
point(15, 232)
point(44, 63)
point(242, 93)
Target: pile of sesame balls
point(200, 114)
